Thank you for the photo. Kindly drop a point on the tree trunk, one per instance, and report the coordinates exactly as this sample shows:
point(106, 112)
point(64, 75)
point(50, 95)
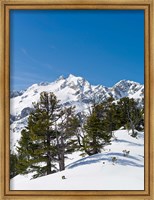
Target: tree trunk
point(48, 165)
point(132, 127)
point(62, 159)
point(95, 148)
point(48, 155)
point(60, 149)
point(61, 162)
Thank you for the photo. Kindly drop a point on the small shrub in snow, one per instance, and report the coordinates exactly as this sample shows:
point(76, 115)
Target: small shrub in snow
point(63, 177)
point(114, 159)
point(125, 153)
point(83, 154)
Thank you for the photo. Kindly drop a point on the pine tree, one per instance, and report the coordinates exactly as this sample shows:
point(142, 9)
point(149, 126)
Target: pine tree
point(98, 129)
point(48, 137)
point(37, 145)
point(130, 114)
point(66, 130)
point(13, 165)
point(23, 152)
point(110, 117)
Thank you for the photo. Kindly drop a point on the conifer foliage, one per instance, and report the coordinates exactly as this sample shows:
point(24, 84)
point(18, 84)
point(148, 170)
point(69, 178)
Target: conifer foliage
point(97, 128)
point(66, 128)
point(129, 114)
point(37, 146)
point(45, 140)
point(13, 164)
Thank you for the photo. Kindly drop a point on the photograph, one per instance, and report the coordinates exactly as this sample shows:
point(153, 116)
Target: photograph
point(77, 93)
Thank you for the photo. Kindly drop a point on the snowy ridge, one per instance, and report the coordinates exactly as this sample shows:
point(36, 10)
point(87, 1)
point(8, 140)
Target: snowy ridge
point(97, 172)
point(127, 88)
point(73, 90)
point(16, 93)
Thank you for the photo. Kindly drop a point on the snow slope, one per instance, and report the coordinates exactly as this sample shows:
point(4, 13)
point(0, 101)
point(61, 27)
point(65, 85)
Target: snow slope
point(96, 172)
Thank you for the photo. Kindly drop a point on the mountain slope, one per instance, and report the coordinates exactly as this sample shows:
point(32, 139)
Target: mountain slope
point(97, 172)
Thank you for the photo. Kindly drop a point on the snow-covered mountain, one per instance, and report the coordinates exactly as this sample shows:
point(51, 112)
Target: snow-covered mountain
point(71, 91)
point(15, 93)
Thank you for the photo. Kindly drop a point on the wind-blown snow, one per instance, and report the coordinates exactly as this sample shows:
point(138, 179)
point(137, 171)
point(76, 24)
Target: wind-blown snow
point(96, 172)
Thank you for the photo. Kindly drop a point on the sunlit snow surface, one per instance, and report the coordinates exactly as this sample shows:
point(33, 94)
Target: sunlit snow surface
point(96, 172)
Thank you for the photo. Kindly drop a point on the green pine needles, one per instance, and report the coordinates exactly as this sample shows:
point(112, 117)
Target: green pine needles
point(47, 138)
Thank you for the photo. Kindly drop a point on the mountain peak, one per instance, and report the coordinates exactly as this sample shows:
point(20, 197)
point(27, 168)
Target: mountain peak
point(128, 82)
point(72, 76)
point(61, 78)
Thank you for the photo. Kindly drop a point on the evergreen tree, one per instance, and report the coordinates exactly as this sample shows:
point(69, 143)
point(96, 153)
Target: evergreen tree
point(110, 117)
point(66, 130)
point(13, 165)
point(104, 118)
point(23, 152)
point(37, 144)
point(130, 114)
point(98, 128)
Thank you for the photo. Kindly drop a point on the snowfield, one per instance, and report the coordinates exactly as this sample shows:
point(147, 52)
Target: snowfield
point(97, 172)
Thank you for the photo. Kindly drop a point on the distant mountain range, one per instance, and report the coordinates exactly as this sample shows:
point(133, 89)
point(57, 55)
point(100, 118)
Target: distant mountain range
point(71, 91)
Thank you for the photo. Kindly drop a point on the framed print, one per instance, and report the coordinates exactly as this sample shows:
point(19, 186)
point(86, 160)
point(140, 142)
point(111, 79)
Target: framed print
point(77, 108)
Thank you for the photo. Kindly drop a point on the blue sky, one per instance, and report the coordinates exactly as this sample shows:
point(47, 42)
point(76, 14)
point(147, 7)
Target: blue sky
point(103, 46)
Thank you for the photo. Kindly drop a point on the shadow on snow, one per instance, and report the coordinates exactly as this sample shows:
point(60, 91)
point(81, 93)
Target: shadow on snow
point(121, 160)
point(130, 143)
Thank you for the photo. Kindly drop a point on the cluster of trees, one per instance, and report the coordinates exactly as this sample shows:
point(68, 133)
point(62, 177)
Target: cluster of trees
point(53, 131)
